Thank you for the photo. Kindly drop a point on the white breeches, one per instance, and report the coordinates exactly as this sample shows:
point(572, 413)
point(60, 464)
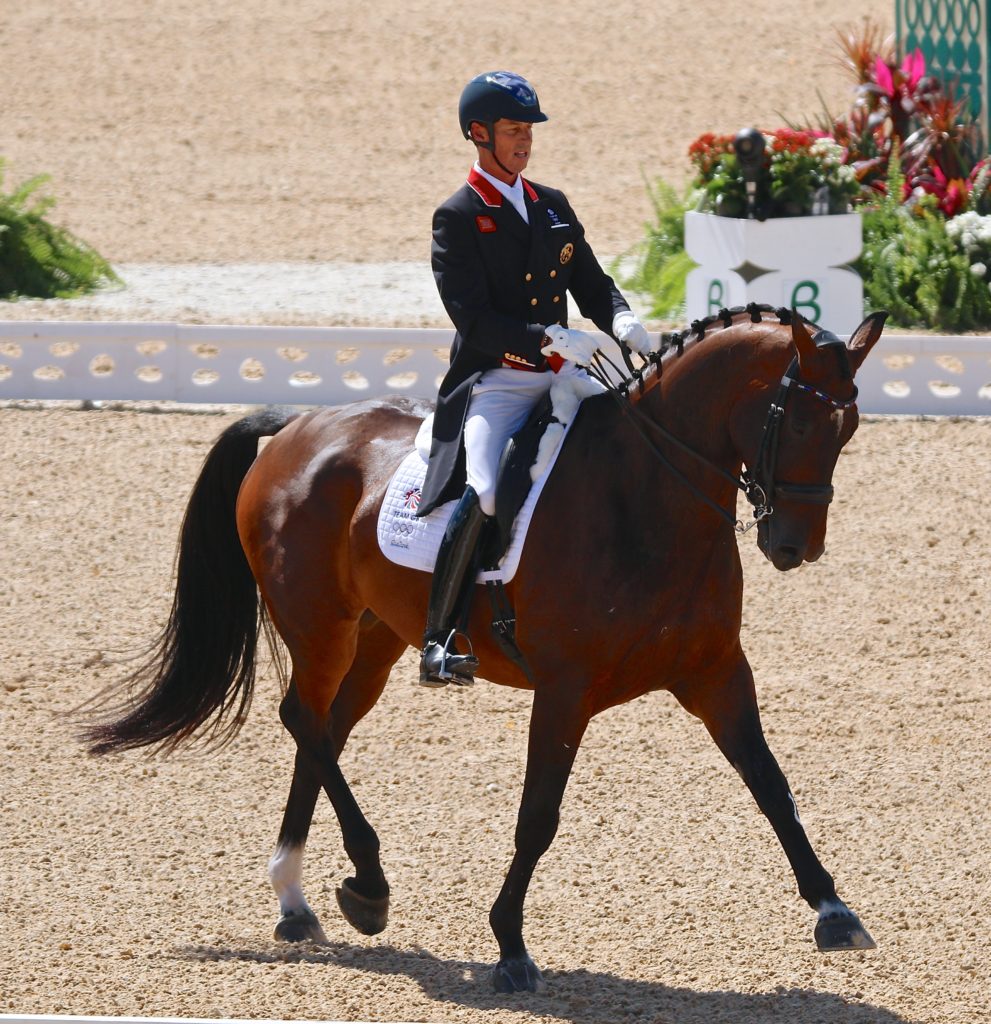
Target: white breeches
point(500, 403)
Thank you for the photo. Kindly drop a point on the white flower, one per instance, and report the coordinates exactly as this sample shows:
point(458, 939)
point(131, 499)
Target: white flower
point(828, 150)
point(970, 229)
point(978, 269)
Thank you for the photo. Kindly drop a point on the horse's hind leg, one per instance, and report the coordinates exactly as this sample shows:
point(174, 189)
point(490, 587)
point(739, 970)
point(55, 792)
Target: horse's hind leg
point(364, 899)
point(285, 870)
point(730, 714)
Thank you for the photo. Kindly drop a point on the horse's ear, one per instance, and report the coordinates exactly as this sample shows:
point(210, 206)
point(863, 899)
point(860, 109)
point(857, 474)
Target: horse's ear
point(807, 351)
point(864, 338)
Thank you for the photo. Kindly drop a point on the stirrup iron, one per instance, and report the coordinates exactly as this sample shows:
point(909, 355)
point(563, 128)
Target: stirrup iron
point(452, 666)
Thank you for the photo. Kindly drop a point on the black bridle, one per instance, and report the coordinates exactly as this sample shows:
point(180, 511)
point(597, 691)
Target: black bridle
point(759, 485)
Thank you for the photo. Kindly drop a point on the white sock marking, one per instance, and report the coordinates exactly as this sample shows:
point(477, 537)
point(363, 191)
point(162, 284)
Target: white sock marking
point(285, 872)
point(832, 907)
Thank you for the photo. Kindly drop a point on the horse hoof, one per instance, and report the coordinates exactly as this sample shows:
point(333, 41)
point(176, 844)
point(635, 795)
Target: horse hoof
point(839, 929)
point(517, 974)
point(300, 927)
point(369, 916)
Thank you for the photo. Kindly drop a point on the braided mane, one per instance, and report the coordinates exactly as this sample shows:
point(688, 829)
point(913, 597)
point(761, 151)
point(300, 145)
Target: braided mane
point(674, 341)
point(725, 318)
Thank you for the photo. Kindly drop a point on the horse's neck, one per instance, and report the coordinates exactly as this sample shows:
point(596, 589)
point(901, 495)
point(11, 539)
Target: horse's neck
point(696, 393)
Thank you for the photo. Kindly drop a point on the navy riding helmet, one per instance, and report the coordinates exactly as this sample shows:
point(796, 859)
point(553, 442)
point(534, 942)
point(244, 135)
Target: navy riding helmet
point(494, 95)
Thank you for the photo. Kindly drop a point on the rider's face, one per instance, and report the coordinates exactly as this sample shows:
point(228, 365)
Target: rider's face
point(513, 141)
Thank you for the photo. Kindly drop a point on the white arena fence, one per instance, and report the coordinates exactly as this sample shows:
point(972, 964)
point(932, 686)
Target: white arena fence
point(108, 361)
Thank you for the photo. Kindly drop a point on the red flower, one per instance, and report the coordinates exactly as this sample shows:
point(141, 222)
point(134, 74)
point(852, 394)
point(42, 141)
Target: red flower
point(952, 194)
point(955, 199)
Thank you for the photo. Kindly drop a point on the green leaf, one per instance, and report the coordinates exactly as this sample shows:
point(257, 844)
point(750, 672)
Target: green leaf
point(39, 259)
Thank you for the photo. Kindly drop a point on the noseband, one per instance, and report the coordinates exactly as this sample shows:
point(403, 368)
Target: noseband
point(758, 485)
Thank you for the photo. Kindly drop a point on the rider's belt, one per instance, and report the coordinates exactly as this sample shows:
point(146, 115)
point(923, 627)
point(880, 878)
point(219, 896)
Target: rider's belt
point(515, 362)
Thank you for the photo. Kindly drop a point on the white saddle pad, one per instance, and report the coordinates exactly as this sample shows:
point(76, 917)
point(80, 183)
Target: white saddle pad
point(413, 542)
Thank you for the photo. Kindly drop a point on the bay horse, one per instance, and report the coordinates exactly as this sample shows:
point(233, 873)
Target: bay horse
point(287, 537)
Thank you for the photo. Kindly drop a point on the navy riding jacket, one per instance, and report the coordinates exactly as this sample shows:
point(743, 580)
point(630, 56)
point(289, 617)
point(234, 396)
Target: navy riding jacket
point(502, 281)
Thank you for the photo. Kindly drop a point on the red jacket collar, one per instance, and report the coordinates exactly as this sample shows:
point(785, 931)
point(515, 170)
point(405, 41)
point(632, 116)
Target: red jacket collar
point(489, 194)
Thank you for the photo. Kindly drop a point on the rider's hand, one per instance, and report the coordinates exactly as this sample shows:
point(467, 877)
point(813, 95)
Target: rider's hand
point(627, 329)
point(575, 346)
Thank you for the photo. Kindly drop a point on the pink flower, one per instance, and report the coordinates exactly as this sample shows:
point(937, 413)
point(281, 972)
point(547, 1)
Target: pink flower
point(883, 77)
point(913, 68)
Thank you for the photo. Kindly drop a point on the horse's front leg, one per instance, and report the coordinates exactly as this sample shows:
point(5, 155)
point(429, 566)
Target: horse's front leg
point(556, 728)
point(729, 711)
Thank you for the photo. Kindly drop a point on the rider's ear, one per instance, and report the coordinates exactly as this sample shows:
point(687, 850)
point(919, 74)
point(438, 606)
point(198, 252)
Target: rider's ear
point(864, 337)
point(807, 351)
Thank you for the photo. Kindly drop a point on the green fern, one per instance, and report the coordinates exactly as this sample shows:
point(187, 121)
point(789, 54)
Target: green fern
point(662, 265)
point(39, 259)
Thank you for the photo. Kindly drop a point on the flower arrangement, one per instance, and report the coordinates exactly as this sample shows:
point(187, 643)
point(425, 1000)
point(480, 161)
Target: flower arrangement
point(926, 269)
point(899, 108)
point(803, 171)
point(843, 161)
point(904, 156)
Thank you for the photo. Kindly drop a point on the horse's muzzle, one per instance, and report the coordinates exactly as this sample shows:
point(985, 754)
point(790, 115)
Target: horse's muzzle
point(784, 552)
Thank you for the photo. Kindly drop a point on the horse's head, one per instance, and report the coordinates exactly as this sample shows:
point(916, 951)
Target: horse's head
point(791, 445)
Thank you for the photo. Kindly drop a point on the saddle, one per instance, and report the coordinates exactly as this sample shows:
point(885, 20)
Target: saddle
point(523, 470)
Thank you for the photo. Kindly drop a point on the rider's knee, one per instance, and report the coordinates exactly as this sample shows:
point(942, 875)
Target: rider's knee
point(486, 500)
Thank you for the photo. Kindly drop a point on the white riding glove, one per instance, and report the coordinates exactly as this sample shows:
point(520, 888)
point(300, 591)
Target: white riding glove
point(628, 329)
point(575, 346)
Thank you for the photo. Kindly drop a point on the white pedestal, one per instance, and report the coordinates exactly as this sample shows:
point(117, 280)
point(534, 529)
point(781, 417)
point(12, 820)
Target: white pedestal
point(786, 261)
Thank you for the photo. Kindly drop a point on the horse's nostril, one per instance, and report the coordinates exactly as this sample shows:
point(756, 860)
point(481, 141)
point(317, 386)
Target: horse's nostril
point(786, 556)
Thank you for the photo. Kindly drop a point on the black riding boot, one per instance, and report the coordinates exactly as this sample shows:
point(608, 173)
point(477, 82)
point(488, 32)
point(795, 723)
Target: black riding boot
point(450, 591)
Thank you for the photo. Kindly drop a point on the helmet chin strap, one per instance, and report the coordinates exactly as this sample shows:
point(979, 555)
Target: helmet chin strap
point(490, 145)
point(512, 174)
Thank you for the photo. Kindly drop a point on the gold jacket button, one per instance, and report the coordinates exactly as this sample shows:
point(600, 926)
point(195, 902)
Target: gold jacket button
point(533, 302)
point(557, 298)
point(529, 277)
point(553, 273)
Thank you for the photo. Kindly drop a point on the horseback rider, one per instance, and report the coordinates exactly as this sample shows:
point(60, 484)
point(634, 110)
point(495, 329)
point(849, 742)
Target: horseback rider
point(505, 252)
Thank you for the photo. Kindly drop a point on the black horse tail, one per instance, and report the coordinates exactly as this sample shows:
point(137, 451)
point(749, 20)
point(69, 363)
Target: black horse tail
point(203, 664)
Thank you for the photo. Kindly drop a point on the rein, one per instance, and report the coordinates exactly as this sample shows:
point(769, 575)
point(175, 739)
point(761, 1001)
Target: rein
point(759, 485)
